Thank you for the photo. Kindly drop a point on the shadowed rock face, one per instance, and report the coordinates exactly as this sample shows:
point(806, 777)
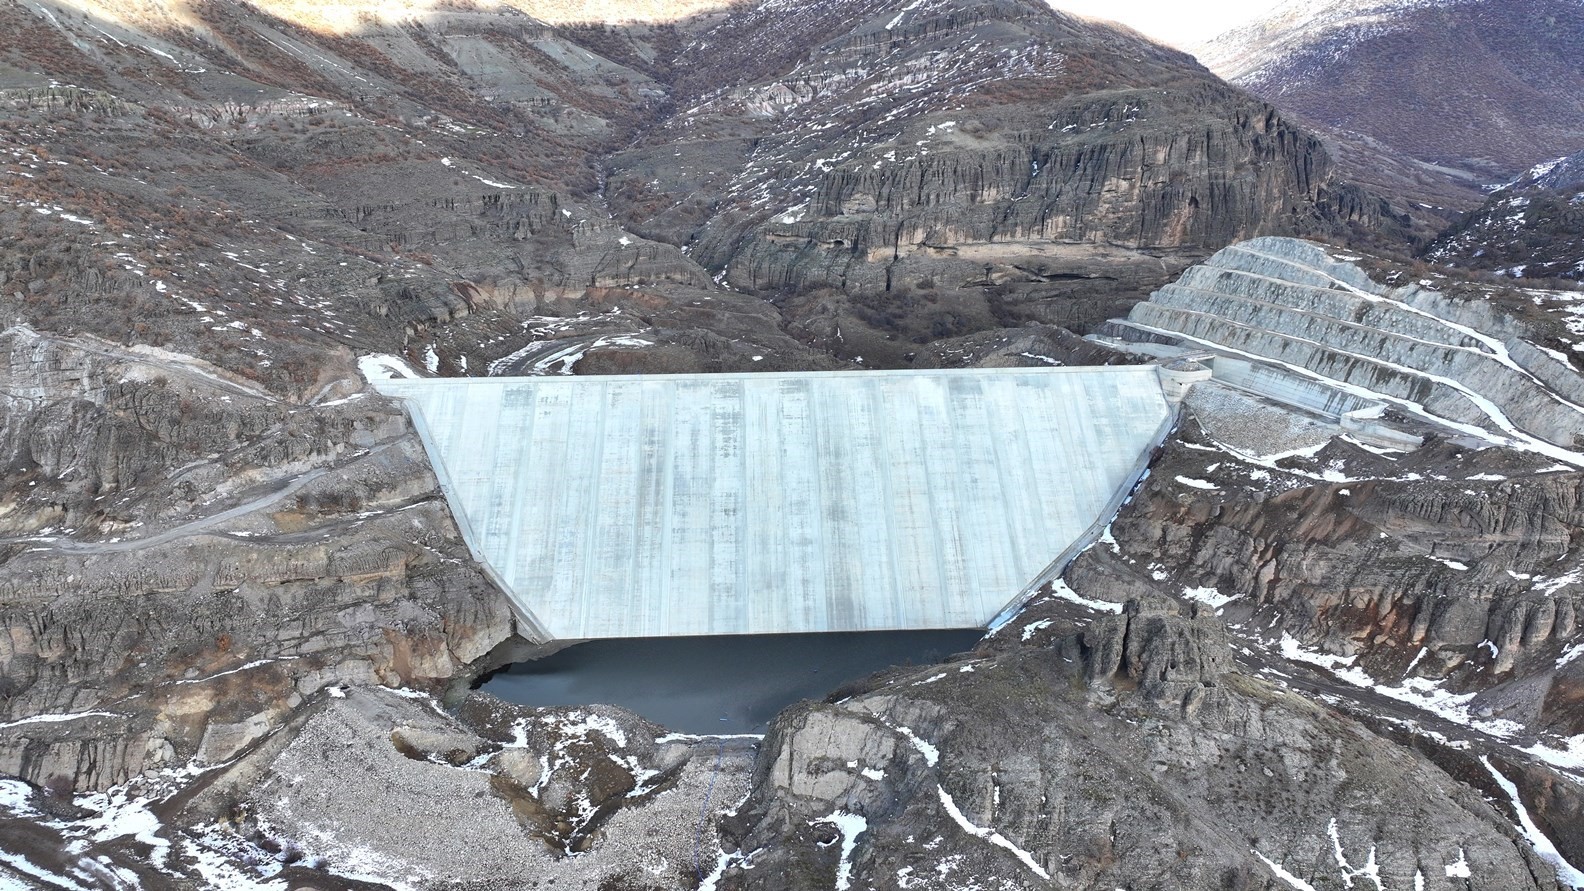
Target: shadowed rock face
point(1172, 659)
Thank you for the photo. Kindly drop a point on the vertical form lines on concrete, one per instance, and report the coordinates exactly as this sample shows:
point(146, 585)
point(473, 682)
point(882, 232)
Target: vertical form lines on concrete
point(591, 531)
point(888, 499)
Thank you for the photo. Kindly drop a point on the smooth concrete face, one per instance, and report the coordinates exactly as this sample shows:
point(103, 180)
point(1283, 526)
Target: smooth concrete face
point(671, 505)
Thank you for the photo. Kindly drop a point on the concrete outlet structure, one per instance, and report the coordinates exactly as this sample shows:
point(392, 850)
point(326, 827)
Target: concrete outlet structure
point(612, 507)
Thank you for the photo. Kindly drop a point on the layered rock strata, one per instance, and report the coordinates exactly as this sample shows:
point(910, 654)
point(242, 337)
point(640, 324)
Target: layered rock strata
point(186, 558)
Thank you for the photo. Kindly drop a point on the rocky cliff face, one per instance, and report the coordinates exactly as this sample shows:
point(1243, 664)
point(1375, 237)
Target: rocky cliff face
point(951, 146)
point(1433, 595)
point(1413, 577)
point(1022, 769)
point(438, 185)
point(279, 187)
point(187, 558)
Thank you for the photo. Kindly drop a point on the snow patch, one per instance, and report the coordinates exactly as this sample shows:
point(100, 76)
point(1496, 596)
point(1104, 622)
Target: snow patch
point(1570, 654)
point(16, 796)
point(1211, 597)
point(384, 367)
point(25, 867)
point(1566, 872)
point(930, 753)
point(1063, 592)
point(120, 815)
point(1370, 870)
point(57, 719)
point(1283, 874)
point(850, 826)
point(221, 874)
point(1569, 758)
point(1034, 628)
point(989, 835)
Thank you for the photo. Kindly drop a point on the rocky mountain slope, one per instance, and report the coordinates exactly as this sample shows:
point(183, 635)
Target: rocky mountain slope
point(1145, 700)
point(1533, 228)
point(921, 155)
point(1430, 588)
point(187, 558)
point(445, 180)
point(238, 616)
point(1478, 89)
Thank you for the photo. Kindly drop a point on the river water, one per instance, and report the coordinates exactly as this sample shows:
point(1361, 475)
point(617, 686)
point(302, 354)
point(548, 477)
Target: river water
point(710, 685)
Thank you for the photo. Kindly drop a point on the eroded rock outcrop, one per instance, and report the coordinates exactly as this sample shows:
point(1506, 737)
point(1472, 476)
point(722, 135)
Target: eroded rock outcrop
point(1468, 576)
point(1173, 659)
point(1077, 766)
point(187, 559)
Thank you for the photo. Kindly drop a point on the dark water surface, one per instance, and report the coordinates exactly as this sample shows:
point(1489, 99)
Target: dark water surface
point(717, 684)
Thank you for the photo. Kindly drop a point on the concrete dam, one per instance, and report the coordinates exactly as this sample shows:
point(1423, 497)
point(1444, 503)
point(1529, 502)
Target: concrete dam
point(780, 503)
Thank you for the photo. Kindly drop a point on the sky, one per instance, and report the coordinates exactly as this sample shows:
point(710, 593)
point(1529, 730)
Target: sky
point(1174, 22)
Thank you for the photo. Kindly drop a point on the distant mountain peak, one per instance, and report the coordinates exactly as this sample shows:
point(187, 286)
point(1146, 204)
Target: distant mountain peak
point(1484, 87)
